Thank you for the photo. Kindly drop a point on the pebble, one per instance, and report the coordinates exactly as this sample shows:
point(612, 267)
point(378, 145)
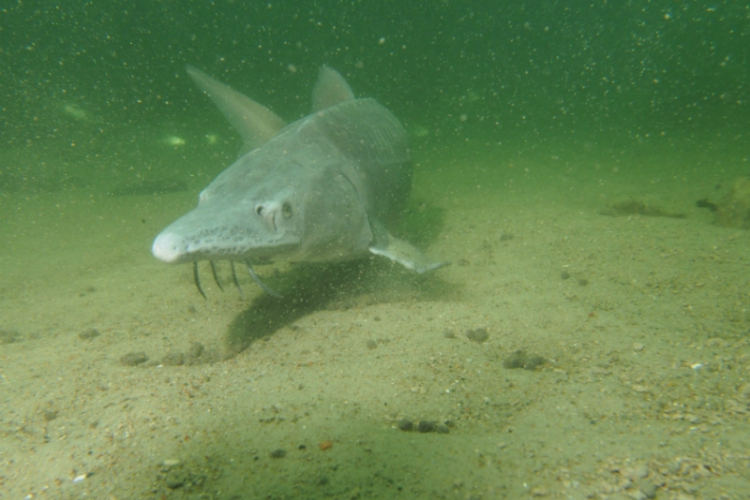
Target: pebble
point(477, 335)
point(519, 359)
point(405, 424)
point(89, 334)
point(134, 358)
point(424, 426)
point(325, 445)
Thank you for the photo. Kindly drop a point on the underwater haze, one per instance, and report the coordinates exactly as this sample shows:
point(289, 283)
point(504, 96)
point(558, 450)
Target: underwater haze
point(585, 166)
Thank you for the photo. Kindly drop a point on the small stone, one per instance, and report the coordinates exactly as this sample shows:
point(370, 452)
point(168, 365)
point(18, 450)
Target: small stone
point(9, 336)
point(564, 275)
point(196, 349)
point(371, 344)
point(442, 429)
point(519, 359)
point(477, 335)
point(173, 359)
point(647, 488)
point(405, 425)
point(89, 334)
point(637, 346)
point(49, 414)
point(516, 360)
point(278, 453)
point(635, 472)
point(325, 445)
point(134, 358)
point(532, 362)
point(637, 495)
point(176, 478)
point(426, 426)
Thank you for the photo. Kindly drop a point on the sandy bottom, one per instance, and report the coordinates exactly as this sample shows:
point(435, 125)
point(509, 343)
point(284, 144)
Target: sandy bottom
point(118, 380)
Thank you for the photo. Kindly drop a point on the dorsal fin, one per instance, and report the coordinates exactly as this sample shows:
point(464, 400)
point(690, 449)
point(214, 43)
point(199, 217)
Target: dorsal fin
point(330, 89)
point(254, 122)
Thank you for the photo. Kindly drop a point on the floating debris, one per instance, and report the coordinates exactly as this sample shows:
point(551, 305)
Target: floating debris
point(174, 141)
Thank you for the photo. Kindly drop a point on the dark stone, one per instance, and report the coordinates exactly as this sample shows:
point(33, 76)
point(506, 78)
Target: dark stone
point(89, 334)
point(173, 359)
point(176, 478)
point(9, 336)
point(426, 426)
point(532, 362)
point(519, 359)
point(134, 358)
point(478, 335)
point(196, 349)
point(405, 424)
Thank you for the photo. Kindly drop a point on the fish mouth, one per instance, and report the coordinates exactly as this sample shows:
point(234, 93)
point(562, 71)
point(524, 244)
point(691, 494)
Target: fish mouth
point(173, 248)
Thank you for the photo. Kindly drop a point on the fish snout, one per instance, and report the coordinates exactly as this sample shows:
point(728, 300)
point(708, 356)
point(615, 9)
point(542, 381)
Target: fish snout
point(168, 247)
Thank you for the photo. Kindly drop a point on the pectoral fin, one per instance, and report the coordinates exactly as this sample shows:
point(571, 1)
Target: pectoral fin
point(403, 252)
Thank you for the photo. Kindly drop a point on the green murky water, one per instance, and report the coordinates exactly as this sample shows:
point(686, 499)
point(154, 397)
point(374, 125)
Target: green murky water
point(528, 121)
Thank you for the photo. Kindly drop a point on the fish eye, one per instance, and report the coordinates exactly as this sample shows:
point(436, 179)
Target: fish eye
point(286, 210)
point(259, 210)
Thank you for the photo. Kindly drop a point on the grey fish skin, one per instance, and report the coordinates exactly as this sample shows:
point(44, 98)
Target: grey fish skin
point(316, 190)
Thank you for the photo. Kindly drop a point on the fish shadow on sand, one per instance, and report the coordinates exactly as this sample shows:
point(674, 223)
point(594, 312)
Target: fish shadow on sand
point(341, 286)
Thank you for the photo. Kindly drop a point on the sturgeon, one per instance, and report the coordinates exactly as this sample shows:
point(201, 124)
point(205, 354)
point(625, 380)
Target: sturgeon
point(315, 190)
